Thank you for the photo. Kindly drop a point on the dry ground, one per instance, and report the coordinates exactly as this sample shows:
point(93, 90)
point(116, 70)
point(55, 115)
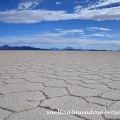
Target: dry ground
point(33, 82)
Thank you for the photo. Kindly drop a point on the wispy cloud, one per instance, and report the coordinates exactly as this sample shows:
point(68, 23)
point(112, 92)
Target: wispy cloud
point(99, 14)
point(78, 8)
point(98, 35)
point(93, 13)
point(62, 32)
point(104, 35)
point(102, 3)
point(77, 2)
point(27, 5)
point(97, 28)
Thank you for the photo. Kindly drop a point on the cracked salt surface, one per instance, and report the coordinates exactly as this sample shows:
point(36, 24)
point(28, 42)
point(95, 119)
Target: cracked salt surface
point(33, 82)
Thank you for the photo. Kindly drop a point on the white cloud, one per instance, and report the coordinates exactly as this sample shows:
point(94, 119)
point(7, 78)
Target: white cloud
point(34, 16)
point(97, 28)
point(100, 14)
point(25, 14)
point(91, 12)
point(57, 3)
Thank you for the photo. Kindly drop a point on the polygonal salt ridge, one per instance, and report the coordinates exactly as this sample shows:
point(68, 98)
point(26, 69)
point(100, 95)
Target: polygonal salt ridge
point(115, 85)
point(9, 88)
point(65, 103)
point(26, 75)
point(90, 76)
point(15, 81)
point(95, 85)
point(4, 113)
point(54, 92)
point(99, 101)
point(21, 100)
point(113, 95)
point(37, 79)
point(56, 83)
point(69, 103)
point(84, 92)
point(113, 111)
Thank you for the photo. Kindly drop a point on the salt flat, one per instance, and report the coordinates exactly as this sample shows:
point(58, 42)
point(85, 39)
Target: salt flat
point(34, 82)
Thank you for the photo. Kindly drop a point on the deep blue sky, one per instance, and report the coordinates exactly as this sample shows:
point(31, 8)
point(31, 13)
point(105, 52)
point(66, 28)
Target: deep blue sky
point(87, 24)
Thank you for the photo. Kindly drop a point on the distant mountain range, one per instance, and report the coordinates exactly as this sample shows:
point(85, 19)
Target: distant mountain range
point(6, 47)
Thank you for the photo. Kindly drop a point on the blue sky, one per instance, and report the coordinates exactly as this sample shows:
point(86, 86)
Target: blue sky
point(86, 24)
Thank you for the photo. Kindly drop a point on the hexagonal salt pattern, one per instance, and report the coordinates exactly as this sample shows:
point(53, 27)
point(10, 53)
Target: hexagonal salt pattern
point(33, 83)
